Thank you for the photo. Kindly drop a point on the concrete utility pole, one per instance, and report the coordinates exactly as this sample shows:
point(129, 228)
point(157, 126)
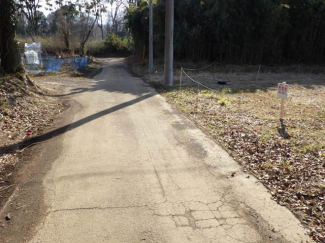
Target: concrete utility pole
point(150, 37)
point(169, 37)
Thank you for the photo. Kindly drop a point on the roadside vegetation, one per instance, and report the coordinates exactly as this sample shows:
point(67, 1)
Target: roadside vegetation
point(244, 116)
point(75, 29)
point(287, 156)
point(113, 45)
point(24, 113)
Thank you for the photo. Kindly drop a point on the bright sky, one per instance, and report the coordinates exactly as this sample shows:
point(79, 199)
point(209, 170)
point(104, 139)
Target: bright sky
point(45, 8)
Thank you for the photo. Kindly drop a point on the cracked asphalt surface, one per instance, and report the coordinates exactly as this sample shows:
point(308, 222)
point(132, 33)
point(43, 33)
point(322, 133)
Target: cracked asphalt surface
point(132, 169)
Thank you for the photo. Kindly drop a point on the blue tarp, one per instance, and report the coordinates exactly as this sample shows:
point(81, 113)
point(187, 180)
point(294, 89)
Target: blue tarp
point(53, 65)
point(80, 62)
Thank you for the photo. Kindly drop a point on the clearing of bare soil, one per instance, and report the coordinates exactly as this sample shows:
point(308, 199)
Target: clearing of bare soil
point(287, 156)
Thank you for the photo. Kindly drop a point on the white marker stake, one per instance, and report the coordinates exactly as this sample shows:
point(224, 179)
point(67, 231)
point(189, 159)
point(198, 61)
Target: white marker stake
point(283, 94)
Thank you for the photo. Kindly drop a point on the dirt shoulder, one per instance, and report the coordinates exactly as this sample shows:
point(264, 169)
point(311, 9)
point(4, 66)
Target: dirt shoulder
point(25, 207)
point(26, 111)
point(27, 114)
point(288, 156)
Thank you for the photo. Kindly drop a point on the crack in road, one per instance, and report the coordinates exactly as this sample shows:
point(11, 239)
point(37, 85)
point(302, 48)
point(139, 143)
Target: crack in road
point(175, 184)
point(96, 208)
point(160, 183)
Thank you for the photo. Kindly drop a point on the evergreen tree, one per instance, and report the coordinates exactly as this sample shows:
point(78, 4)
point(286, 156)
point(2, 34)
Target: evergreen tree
point(238, 31)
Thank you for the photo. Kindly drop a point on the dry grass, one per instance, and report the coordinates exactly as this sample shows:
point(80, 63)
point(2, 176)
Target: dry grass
point(287, 157)
point(304, 119)
point(54, 44)
point(50, 44)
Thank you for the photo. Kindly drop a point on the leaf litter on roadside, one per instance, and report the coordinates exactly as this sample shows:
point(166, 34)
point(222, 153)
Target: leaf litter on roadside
point(24, 113)
point(288, 157)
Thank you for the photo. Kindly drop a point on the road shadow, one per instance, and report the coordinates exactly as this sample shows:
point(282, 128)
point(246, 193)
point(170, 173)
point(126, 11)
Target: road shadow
point(114, 77)
point(69, 127)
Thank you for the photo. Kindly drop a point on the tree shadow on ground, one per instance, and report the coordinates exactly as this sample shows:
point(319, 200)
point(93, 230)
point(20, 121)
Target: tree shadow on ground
point(120, 83)
point(69, 127)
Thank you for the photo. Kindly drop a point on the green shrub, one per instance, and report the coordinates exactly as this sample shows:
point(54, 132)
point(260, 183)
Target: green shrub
point(117, 45)
point(112, 46)
point(95, 47)
point(223, 102)
point(227, 91)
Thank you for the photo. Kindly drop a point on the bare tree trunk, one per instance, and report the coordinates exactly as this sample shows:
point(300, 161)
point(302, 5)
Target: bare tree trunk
point(10, 56)
point(114, 13)
point(32, 36)
point(82, 49)
point(101, 27)
point(66, 37)
point(86, 37)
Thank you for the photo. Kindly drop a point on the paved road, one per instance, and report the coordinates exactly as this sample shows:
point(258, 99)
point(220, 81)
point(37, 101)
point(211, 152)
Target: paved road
point(134, 170)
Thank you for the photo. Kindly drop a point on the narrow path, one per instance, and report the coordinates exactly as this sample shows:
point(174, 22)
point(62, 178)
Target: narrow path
point(134, 170)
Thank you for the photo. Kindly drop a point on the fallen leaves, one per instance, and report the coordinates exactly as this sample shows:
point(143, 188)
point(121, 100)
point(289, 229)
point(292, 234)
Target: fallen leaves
point(288, 157)
point(24, 113)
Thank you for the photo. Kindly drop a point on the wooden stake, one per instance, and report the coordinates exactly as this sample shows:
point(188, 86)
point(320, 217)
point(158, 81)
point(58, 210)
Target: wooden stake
point(282, 109)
